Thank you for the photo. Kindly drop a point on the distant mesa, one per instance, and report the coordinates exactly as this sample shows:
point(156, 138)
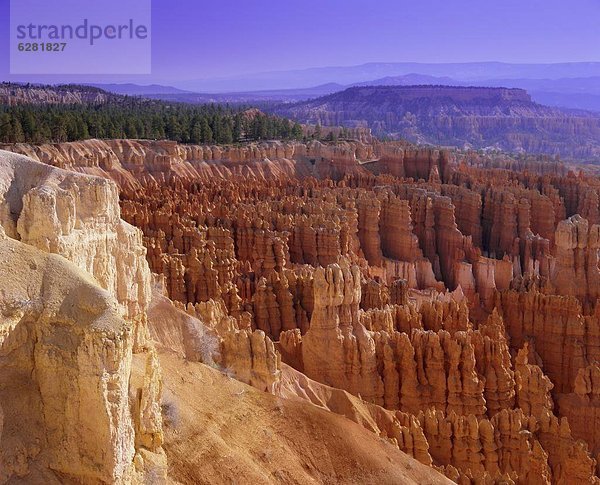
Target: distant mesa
point(464, 116)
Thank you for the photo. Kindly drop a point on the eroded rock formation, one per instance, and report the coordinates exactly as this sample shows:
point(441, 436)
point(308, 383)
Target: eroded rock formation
point(75, 287)
point(446, 301)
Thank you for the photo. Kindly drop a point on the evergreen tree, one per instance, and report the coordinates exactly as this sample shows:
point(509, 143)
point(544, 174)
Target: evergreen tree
point(196, 134)
point(226, 135)
point(206, 132)
point(237, 128)
point(297, 131)
point(317, 132)
point(5, 128)
point(17, 131)
point(128, 117)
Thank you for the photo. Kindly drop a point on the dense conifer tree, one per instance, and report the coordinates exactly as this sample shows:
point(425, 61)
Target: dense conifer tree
point(126, 117)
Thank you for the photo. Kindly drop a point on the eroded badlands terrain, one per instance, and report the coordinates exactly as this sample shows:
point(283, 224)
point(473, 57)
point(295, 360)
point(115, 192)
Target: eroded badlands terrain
point(297, 313)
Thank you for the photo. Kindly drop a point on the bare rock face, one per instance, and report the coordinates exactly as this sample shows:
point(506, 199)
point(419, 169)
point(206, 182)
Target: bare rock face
point(369, 209)
point(464, 378)
point(78, 218)
point(576, 269)
point(370, 357)
point(68, 330)
point(65, 356)
point(330, 347)
point(558, 331)
point(149, 429)
point(248, 355)
point(582, 407)
point(14, 94)
point(533, 387)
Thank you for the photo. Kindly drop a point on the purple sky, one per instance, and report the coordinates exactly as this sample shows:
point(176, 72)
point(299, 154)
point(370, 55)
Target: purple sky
point(201, 39)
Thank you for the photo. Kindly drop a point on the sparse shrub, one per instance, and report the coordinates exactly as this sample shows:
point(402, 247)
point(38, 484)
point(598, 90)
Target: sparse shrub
point(170, 411)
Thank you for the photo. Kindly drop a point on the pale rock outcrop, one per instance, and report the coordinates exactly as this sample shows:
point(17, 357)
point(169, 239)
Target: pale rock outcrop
point(330, 346)
point(71, 327)
point(65, 357)
point(77, 217)
point(148, 417)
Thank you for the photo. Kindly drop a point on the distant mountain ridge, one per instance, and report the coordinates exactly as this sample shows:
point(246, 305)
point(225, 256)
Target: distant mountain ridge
point(347, 75)
point(412, 79)
point(277, 95)
point(465, 94)
point(570, 84)
point(576, 93)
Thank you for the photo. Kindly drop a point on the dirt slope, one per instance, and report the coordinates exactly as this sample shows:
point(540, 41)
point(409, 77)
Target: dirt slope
point(222, 431)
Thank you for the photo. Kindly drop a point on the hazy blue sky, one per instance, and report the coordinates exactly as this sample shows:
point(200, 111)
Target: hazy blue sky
point(200, 39)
